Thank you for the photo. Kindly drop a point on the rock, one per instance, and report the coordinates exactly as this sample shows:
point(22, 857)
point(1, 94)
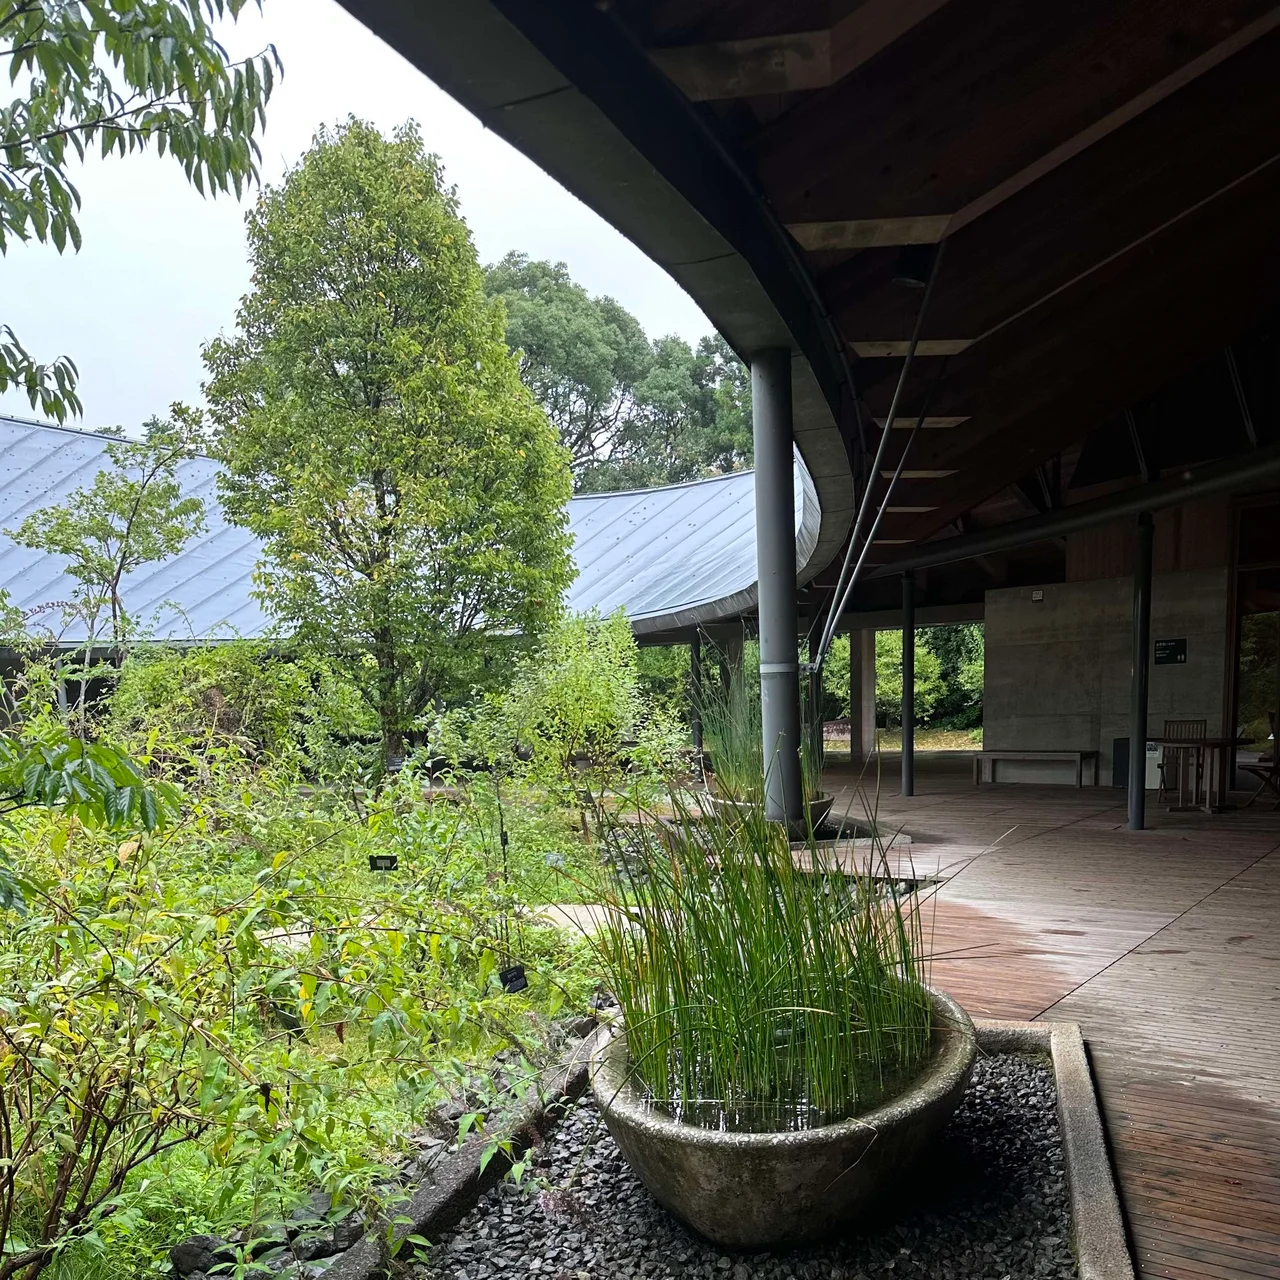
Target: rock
point(200, 1254)
point(994, 1205)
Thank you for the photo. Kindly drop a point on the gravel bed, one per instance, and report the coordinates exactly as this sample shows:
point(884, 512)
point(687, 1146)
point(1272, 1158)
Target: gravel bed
point(992, 1204)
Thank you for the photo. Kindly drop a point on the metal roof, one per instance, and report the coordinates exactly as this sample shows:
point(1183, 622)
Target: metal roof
point(672, 557)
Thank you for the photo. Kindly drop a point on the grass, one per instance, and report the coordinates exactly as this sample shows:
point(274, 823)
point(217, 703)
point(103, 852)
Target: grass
point(757, 995)
point(734, 739)
point(926, 740)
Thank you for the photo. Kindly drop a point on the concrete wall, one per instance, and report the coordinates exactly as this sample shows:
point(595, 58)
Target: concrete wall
point(1058, 670)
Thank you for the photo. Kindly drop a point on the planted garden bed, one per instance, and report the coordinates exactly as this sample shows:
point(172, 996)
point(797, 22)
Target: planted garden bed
point(990, 1201)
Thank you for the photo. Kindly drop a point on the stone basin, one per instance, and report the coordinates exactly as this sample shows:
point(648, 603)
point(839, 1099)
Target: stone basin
point(766, 1190)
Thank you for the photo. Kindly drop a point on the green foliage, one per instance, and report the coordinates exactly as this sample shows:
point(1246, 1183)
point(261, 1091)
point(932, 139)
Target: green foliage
point(960, 652)
point(199, 1027)
point(582, 357)
point(291, 707)
point(630, 412)
point(1259, 674)
point(376, 434)
point(92, 781)
point(98, 75)
point(733, 735)
point(733, 731)
point(928, 678)
point(44, 766)
point(574, 713)
point(693, 419)
point(134, 513)
point(756, 994)
point(949, 676)
point(664, 679)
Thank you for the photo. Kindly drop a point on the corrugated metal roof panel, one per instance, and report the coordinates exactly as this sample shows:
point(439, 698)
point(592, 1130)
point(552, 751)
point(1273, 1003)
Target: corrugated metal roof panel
point(673, 556)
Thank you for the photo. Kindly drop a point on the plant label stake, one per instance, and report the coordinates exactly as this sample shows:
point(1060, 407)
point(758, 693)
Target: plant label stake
point(513, 979)
point(383, 861)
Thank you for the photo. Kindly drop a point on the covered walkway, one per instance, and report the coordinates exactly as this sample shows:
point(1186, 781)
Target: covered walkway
point(1163, 945)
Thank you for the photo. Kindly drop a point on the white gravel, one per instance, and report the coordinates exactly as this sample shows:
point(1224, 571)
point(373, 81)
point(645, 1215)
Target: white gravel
point(992, 1205)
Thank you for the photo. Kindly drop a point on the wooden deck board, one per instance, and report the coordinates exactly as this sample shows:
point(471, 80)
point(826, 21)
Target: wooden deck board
point(1164, 945)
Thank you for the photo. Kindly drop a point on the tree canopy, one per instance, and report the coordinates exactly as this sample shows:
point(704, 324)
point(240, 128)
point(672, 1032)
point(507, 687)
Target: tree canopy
point(630, 411)
point(376, 434)
point(115, 78)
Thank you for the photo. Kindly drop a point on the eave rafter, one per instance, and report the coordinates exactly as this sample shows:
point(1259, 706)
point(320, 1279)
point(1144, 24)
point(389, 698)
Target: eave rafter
point(929, 228)
point(791, 61)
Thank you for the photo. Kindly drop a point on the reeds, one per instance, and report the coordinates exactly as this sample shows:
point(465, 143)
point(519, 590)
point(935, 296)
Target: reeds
point(734, 739)
point(758, 995)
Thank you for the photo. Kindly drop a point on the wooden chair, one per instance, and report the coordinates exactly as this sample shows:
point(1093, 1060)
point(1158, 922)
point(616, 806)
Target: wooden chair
point(1170, 759)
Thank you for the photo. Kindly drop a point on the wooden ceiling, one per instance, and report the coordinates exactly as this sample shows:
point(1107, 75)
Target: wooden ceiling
point(1106, 178)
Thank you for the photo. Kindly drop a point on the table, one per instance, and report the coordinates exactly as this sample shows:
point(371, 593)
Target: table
point(1212, 759)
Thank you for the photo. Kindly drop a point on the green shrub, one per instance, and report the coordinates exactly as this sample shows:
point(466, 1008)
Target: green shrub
point(291, 707)
point(573, 717)
point(242, 995)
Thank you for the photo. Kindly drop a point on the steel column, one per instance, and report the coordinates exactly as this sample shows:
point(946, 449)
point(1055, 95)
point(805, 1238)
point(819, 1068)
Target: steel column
point(1141, 672)
point(908, 684)
point(776, 574)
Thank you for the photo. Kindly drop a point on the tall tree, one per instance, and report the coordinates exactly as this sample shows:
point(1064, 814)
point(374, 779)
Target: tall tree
point(631, 412)
point(691, 419)
point(376, 433)
point(111, 77)
point(580, 356)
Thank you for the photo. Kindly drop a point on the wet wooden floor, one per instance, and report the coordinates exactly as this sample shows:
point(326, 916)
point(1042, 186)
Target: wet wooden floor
point(1164, 945)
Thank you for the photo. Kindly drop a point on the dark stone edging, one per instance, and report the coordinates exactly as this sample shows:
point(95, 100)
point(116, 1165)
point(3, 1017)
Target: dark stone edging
point(1102, 1249)
point(453, 1188)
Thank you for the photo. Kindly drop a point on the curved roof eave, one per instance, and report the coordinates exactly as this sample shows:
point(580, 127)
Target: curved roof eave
point(737, 599)
point(564, 87)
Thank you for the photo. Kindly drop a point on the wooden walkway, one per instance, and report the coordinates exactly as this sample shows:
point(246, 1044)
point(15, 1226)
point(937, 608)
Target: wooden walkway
point(1164, 945)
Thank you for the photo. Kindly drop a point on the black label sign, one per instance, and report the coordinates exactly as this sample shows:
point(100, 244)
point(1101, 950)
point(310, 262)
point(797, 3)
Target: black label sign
point(513, 979)
point(383, 861)
point(1171, 652)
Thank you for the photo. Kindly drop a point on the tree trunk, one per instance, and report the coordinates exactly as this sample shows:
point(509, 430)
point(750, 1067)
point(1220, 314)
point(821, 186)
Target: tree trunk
point(389, 709)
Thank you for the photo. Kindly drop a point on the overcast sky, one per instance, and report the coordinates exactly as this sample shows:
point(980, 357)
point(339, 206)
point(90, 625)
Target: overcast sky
point(162, 269)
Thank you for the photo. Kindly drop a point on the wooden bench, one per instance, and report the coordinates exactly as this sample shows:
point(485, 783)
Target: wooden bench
point(984, 762)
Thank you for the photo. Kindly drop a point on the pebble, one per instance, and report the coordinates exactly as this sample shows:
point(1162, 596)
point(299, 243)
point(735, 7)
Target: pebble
point(991, 1205)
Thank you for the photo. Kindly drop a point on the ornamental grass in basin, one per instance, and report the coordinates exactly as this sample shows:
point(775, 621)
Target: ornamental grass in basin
point(733, 735)
point(780, 1058)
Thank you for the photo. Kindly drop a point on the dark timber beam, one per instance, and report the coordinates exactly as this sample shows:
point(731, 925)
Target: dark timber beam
point(817, 200)
point(791, 62)
point(1221, 477)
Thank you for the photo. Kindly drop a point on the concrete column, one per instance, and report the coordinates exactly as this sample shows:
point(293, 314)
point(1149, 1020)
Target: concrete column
point(862, 693)
point(870, 742)
point(908, 684)
point(776, 573)
point(1141, 673)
